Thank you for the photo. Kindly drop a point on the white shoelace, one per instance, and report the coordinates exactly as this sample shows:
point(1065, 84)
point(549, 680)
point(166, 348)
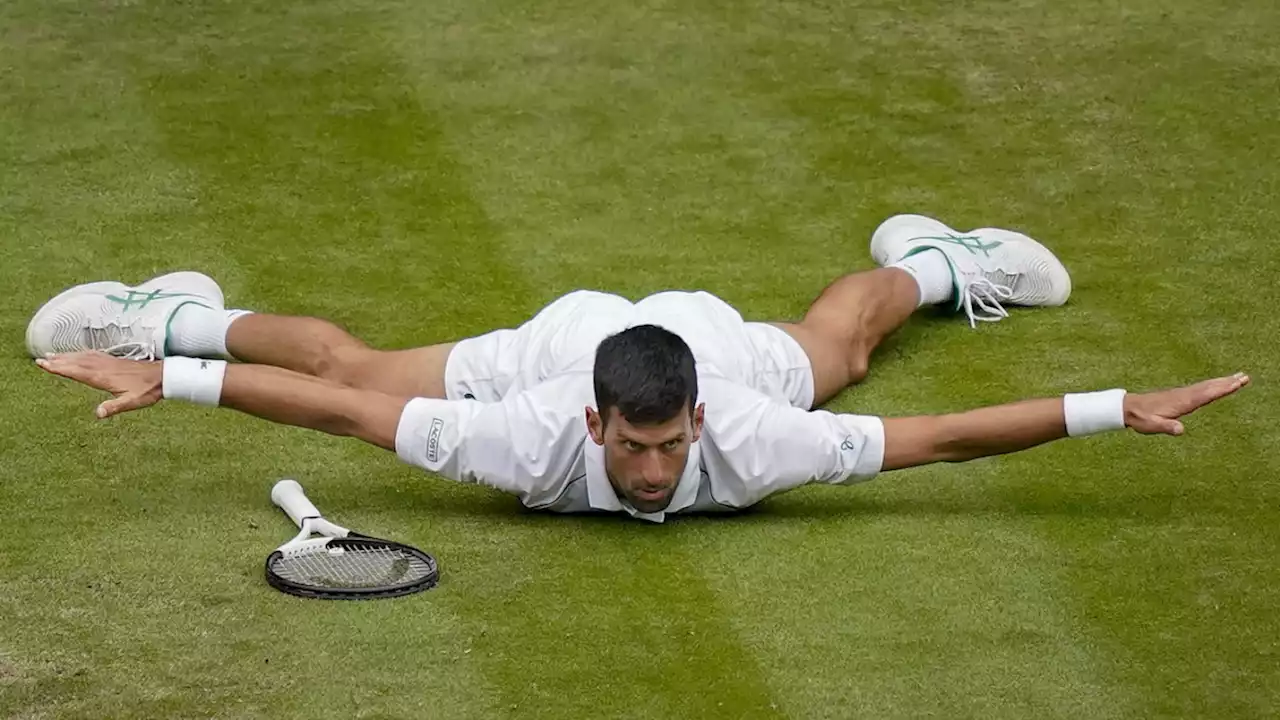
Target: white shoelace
point(117, 338)
point(987, 296)
point(132, 351)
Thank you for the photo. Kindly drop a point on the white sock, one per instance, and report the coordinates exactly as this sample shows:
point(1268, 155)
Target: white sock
point(198, 331)
point(932, 273)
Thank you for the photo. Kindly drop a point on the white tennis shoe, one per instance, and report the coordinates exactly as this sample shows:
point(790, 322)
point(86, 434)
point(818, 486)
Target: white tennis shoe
point(129, 322)
point(990, 267)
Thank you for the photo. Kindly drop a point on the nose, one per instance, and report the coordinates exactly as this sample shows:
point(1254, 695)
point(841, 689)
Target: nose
point(652, 471)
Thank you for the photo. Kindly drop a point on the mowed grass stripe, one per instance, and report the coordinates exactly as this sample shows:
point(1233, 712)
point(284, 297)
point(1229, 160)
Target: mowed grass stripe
point(597, 617)
point(929, 608)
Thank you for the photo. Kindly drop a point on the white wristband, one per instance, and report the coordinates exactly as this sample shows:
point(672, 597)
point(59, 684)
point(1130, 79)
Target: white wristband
point(194, 380)
point(1095, 412)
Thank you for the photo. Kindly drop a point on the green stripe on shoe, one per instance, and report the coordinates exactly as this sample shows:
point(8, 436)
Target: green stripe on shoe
point(144, 298)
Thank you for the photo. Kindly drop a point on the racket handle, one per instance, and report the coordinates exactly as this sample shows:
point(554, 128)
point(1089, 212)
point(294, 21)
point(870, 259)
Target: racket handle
point(288, 496)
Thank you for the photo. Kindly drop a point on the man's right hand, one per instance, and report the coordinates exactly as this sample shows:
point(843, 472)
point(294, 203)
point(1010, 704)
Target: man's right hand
point(1158, 412)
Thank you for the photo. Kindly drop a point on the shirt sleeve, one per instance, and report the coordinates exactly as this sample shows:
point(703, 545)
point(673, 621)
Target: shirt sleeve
point(526, 445)
point(755, 446)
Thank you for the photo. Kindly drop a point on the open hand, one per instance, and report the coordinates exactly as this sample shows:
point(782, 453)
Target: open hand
point(1158, 412)
point(133, 384)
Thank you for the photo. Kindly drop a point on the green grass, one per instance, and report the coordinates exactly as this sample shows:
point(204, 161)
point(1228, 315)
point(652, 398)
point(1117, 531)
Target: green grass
point(427, 171)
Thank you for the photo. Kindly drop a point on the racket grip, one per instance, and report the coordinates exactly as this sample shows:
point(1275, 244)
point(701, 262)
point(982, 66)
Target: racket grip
point(288, 496)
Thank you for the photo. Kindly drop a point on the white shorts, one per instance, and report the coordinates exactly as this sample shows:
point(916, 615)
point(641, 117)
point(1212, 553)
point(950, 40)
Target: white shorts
point(563, 338)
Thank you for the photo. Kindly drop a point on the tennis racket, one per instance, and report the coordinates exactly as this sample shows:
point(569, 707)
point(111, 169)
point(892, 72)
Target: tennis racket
point(341, 565)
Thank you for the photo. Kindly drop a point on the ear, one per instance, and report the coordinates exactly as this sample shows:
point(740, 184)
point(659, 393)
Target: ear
point(699, 414)
point(595, 426)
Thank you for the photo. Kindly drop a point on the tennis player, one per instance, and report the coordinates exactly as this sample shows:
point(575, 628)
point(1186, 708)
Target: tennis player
point(670, 404)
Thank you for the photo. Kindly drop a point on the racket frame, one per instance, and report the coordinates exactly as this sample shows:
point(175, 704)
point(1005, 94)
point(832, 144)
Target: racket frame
point(288, 495)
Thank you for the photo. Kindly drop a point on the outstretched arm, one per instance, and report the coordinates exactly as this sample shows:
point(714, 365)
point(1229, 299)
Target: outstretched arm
point(1001, 429)
point(271, 393)
point(760, 446)
point(520, 445)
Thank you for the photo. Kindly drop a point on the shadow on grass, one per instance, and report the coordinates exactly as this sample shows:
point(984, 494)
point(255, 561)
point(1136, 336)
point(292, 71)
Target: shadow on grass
point(1081, 507)
point(443, 499)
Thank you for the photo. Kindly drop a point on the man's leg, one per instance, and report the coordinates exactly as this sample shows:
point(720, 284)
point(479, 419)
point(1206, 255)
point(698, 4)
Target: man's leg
point(182, 314)
point(925, 263)
point(848, 320)
point(320, 348)
point(312, 346)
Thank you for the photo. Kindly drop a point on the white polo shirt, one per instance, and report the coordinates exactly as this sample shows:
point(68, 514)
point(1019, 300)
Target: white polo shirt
point(534, 444)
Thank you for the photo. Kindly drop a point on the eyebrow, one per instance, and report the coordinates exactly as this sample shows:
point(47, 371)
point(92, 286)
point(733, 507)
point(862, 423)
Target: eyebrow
point(624, 438)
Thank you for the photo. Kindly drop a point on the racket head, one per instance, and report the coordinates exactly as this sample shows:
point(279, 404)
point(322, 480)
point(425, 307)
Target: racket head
point(355, 567)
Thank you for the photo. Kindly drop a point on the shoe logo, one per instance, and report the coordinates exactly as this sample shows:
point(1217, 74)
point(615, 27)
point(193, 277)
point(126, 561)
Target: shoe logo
point(138, 300)
point(972, 243)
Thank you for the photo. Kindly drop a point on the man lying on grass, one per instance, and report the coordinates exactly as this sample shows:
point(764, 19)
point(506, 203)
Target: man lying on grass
point(671, 404)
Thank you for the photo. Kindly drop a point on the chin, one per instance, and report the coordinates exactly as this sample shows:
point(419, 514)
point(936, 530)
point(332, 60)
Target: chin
point(651, 506)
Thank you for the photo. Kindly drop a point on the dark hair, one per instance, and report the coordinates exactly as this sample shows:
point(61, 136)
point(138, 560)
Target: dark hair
point(647, 373)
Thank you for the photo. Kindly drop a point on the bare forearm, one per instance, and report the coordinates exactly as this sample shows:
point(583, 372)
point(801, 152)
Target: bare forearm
point(291, 398)
point(968, 435)
point(1000, 429)
point(1017, 426)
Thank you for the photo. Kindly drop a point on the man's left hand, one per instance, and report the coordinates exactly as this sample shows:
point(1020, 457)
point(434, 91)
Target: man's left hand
point(134, 385)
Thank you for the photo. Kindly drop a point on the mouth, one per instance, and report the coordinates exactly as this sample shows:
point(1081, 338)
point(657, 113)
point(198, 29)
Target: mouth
point(652, 495)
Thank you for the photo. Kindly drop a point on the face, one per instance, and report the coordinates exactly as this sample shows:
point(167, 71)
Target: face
point(644, 462)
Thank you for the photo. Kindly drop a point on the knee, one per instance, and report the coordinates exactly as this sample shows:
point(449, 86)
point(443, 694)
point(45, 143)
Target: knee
point(857, 364)
point(344, 366)
point(842, 356)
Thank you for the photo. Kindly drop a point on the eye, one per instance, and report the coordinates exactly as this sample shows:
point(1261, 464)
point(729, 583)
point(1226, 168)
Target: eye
point(671, 444)
point(633, 446)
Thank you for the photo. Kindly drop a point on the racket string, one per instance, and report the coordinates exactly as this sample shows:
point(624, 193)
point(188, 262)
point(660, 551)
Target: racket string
point(361, 566)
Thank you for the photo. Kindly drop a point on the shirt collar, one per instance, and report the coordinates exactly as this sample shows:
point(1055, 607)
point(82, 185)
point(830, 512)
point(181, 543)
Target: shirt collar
point(601, 495)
